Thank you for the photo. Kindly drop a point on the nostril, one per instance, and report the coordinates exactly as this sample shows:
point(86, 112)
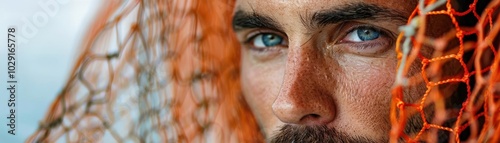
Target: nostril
point(311, 119)
point(314, 116)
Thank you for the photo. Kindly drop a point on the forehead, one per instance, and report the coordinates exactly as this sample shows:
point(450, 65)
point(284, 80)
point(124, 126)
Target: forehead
point(307, 16)
point(307, 7)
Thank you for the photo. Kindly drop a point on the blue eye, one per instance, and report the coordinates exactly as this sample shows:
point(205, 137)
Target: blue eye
point(362, 34)
point(267, 40)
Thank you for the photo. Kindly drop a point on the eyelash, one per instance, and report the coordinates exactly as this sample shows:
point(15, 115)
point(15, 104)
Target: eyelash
point(354, 28)
point(249, 41)
point(366, 44)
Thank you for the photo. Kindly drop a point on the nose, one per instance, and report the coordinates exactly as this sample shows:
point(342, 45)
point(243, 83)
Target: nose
point(304, 97)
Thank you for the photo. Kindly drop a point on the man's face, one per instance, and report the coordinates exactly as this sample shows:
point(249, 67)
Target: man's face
point(321, 67)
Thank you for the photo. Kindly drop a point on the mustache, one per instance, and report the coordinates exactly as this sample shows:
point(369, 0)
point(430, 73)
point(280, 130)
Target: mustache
point(315, 134)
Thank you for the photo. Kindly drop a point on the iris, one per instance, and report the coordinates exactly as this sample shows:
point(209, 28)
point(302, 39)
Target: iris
point(366, 34)
point(267, 40)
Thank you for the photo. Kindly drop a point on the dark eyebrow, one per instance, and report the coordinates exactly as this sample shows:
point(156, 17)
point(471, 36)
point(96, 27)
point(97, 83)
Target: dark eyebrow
point(243, 20)
point(357, 11)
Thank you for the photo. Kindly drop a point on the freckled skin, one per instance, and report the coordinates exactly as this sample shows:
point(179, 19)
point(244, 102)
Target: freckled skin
point(313, 81)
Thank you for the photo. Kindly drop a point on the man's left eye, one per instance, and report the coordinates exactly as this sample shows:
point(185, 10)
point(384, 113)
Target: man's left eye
point(362, 34)
point(265, 40)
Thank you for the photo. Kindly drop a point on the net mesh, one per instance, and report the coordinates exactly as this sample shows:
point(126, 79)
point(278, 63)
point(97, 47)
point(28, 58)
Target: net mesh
point(154, 71)
point(168, 71)
point(476, 117)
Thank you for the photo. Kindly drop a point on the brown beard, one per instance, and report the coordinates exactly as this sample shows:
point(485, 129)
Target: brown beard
point(315, 134)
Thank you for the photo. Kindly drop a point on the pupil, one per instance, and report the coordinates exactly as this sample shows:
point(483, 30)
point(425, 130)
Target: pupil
point(271, 40)
point(366, 34)
point(271, 37)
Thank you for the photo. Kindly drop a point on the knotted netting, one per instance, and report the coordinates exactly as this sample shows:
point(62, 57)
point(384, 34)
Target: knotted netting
point(154, 71)
point(168, 71)
point(470, 112)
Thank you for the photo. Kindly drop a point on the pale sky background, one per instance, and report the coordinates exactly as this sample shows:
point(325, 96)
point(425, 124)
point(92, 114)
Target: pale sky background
point(43, 60)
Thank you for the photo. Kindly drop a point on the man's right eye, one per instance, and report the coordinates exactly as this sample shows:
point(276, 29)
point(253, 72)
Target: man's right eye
point(266, 40)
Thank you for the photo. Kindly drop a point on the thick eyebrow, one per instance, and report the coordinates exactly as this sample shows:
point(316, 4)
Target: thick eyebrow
point(337, 14)
point(357, 11)
point(245, 20)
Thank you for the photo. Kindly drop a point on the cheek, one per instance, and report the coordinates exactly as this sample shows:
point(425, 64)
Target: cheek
point(369, 78)
point(255, 87)
point(260, 85)
point(364, 92)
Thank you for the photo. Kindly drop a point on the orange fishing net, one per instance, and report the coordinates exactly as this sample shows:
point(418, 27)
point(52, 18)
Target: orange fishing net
point(154, 71)
point(476, 117)
point(168, 71)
